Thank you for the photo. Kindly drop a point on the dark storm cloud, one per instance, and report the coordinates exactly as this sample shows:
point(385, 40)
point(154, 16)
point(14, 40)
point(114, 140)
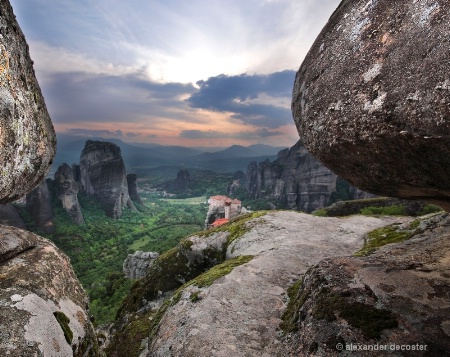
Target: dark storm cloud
point(81, 97)
point(94, 133)
point(232, 94)
point(242, 135)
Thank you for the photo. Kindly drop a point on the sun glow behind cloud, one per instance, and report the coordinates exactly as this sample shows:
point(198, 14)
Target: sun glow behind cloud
point(145, 67)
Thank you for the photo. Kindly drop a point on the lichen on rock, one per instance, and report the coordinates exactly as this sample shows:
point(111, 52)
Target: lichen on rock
point(27, 137)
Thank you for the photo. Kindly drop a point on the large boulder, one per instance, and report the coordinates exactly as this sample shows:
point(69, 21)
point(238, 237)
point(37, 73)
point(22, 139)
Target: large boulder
point(43, 308)
point(103, 176)
point(27, 137)
point(372, 97)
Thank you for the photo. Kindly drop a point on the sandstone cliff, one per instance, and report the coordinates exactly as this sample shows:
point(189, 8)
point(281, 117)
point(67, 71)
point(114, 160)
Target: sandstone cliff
point(371, 99)
point(39, 205)
point(296, 180)
point(103, 176)
point(67, 188)
point(181, 183)
point(27, 138)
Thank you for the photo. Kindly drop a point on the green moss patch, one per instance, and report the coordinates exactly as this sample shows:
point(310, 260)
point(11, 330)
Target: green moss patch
point(216, 272)
point(382, 236)
point(127, 343)
point(368, 319)
point(291, 315)
point(63, 321)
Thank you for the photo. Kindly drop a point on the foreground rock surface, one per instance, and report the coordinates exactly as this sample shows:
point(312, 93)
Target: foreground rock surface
point(399, 296)
point(240, 313)
point(27, 137)
point(371, 99)
point(42, 304)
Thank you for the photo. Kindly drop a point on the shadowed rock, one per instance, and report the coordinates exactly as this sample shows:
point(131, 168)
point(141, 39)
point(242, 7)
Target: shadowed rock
point(67, 189)
point(10, 217)
point(372, 98)
point(103, 176)
point(132, 188)
point(136, 265)
point(295, 180)
point(39, 205)
point(27, 137)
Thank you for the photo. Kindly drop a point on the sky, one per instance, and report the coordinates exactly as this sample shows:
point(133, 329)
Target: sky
point(172, 72)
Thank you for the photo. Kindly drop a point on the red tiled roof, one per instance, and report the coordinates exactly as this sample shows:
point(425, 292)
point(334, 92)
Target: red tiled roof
point(219, 198)
point(219, 222)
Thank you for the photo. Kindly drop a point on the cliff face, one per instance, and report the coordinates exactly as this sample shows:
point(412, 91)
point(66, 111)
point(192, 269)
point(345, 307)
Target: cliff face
point(365, 107)
point(43, 308)
point(181, 183)
point(39, 204)
point(27, 138)
point(296, 180)
point(103, 176)
point(132, 188)
point(67, 188)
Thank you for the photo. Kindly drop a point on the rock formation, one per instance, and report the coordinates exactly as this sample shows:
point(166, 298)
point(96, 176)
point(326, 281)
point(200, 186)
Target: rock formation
point(103, 176)
point(43, 308)
point(371, 99)
point(27, 137)
point(399, 296)
point(132, 188)
point(136, 265)
point(39, 205)
point(67, 188)
point(181, 183)
point(239, 313)
point(296, 180)
point(239, 180)
point(42, 304)
point(10, 217)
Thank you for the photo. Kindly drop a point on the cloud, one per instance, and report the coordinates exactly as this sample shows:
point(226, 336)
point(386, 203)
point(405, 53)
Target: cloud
point(237, 95)
point(242, 135)
point(131, 98)
point(93, 133)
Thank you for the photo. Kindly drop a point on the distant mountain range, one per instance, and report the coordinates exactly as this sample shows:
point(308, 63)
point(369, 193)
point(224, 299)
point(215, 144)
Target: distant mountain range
point(141, 158)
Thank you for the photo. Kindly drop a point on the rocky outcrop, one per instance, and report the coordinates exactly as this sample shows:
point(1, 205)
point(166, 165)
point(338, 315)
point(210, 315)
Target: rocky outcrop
point(10, 217)
point(399, 296)
point(365, 106)
point(27, 137)
point(132, 188)
point(233, 308)
point(103, 176)
point(238, 314)
point(181, 183)
point(42, 304)
point(136, 265)
point(39, 205)
point(67, 188)
point(296, 180)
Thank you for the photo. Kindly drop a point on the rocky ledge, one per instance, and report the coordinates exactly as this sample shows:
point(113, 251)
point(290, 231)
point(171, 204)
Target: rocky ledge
point(43, 308)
